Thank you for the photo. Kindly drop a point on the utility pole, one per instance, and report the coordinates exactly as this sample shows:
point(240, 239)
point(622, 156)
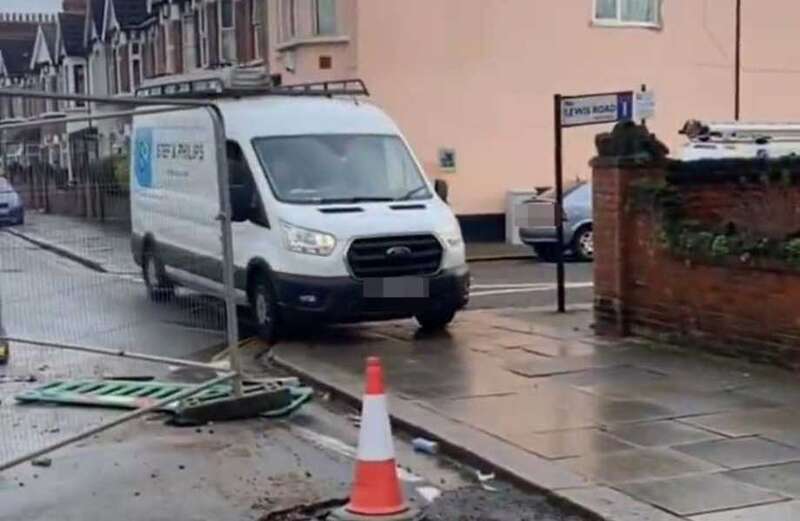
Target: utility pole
point(738, 64)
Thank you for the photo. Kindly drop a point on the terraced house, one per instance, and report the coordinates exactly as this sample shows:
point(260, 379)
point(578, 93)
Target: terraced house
point(470, 81)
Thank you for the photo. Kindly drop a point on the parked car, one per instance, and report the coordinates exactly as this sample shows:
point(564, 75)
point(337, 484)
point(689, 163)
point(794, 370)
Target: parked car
point(12, 210)
point(539, 231)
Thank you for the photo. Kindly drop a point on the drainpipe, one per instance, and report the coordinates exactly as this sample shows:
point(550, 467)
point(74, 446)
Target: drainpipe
point(738, 64)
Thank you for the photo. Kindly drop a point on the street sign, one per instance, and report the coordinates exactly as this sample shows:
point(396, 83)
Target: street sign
point(644, 105)
point(596, 109)
point(575, 111)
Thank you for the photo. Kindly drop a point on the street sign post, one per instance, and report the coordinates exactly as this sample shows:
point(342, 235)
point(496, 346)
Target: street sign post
point(590, 109)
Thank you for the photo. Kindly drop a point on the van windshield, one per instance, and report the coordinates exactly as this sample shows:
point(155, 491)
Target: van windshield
point(336, 168)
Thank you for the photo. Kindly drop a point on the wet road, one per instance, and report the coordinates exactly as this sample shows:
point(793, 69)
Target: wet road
point(527, 283)
point(147, 470)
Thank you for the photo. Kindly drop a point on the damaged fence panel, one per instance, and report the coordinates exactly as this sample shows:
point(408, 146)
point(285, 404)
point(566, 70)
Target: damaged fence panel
point(65, 321)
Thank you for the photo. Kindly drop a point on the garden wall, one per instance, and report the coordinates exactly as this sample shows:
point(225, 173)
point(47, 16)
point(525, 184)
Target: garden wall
point(705, 253)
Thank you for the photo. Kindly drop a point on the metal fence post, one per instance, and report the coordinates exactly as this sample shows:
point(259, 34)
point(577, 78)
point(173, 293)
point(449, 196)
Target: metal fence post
point(225, 214)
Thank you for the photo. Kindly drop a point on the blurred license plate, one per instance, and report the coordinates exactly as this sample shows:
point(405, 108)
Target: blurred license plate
point(396, 287)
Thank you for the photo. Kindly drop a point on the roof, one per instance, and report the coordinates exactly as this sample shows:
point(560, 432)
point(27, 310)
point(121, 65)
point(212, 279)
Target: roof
point(17, 53)
point(130, 13)
point(97, 10)
point(19, 31)
point(49, 30)
point(71, 33)
point(299, 115)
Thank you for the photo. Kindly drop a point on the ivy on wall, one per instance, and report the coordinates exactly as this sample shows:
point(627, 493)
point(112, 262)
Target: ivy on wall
point(762, 231)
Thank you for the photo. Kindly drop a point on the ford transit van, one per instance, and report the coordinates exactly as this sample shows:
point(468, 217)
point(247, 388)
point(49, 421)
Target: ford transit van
point(333, 217)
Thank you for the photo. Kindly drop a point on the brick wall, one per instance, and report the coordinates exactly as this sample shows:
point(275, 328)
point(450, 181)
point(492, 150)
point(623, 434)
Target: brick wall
point(725, 306)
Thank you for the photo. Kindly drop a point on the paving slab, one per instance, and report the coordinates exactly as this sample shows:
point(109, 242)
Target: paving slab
point(786, 511)
point(742, 452)
point(612, 505)
point(538, 367)
point(790, 438)
point(638, 465)
point(692, 495)
point(749, 422)
point(661, 434)
point(619, 373)
point(683, 398)
point(783, 478)
point(547, 408)
point(570, 443)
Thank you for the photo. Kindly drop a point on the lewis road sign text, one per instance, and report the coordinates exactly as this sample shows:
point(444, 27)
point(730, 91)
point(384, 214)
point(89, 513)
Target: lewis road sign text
point(591, 110)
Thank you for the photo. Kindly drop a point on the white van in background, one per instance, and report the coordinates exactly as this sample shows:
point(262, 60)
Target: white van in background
point(334, 220)
point(721, 140)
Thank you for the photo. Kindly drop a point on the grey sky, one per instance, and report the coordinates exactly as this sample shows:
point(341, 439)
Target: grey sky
point(30, 6)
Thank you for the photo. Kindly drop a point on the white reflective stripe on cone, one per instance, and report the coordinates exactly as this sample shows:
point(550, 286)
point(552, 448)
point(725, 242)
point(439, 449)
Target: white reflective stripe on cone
point(375, 436)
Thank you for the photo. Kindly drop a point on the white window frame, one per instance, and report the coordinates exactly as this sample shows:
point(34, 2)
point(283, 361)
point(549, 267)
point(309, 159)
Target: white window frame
point(229, 32)
point(315, 14)
point(255, 26)
point(189, 50)
point(288, 20)
point(203, 32)
point(619, 22)
point(136, 80)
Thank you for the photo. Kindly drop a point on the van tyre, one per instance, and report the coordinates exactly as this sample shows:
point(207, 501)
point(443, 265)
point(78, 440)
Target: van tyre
point(264, 308)
point(159, 287)
point(583, 244)
point(436, 319)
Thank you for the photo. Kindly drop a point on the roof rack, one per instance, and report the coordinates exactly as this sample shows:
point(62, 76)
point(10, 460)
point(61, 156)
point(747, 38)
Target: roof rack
point(738, 131)
point(351, 87)
point(216, 87)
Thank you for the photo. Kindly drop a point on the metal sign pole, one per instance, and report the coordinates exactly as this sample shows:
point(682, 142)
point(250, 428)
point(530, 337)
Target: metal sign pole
point(559, 206)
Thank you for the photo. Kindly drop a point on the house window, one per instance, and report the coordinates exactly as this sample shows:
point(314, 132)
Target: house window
point(137, 72)
point(627, 12)
point(189, 44)
point(202, 24)
point(324, 17)
point(79, 80)
point(256, 19)
point(227, 32)
point(289, 19)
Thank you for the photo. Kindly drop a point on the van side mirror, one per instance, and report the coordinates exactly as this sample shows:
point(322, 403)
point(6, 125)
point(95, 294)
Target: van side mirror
point(240, 203)
point(441, 188)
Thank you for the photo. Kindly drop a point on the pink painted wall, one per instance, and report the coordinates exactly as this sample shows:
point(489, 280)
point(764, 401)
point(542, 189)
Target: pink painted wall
point(479, 76)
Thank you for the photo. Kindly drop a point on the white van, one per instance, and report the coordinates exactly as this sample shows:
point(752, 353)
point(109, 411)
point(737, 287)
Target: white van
point(334, 220)
point(739, 140)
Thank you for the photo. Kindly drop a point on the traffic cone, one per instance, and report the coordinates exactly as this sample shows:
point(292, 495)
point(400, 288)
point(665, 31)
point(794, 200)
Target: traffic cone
point(376, 490)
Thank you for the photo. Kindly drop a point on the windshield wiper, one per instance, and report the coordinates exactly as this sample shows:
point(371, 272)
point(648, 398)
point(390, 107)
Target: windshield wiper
point(353, 200)
point(412, 193)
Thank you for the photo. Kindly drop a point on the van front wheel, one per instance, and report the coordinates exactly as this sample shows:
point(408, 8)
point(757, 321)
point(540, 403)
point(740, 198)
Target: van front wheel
point(264, 309)
point(436, 319)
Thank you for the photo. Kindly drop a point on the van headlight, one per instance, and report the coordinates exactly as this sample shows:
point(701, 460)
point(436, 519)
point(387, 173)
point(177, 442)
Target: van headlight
point(453, 239)
point(311, 242)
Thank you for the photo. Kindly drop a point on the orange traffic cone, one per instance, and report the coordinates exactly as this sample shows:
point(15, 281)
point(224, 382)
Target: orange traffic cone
point(376, 491)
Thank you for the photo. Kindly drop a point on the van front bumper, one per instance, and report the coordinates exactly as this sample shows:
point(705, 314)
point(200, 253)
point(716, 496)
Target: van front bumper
point(345, 299)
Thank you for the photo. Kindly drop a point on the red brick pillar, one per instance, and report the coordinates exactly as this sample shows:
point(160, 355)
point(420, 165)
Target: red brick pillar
point(626, 155)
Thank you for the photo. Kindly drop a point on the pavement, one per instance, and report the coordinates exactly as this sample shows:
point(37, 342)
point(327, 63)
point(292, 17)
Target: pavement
point(623, 428)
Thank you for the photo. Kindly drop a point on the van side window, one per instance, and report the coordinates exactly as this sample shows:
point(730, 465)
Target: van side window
point(241, 175)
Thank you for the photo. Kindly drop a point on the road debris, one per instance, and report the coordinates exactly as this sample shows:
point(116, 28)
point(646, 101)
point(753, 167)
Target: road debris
point(269, 398)
point(424, 445)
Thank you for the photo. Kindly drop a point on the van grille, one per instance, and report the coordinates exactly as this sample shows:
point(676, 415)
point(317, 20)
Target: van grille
point(395, 256)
